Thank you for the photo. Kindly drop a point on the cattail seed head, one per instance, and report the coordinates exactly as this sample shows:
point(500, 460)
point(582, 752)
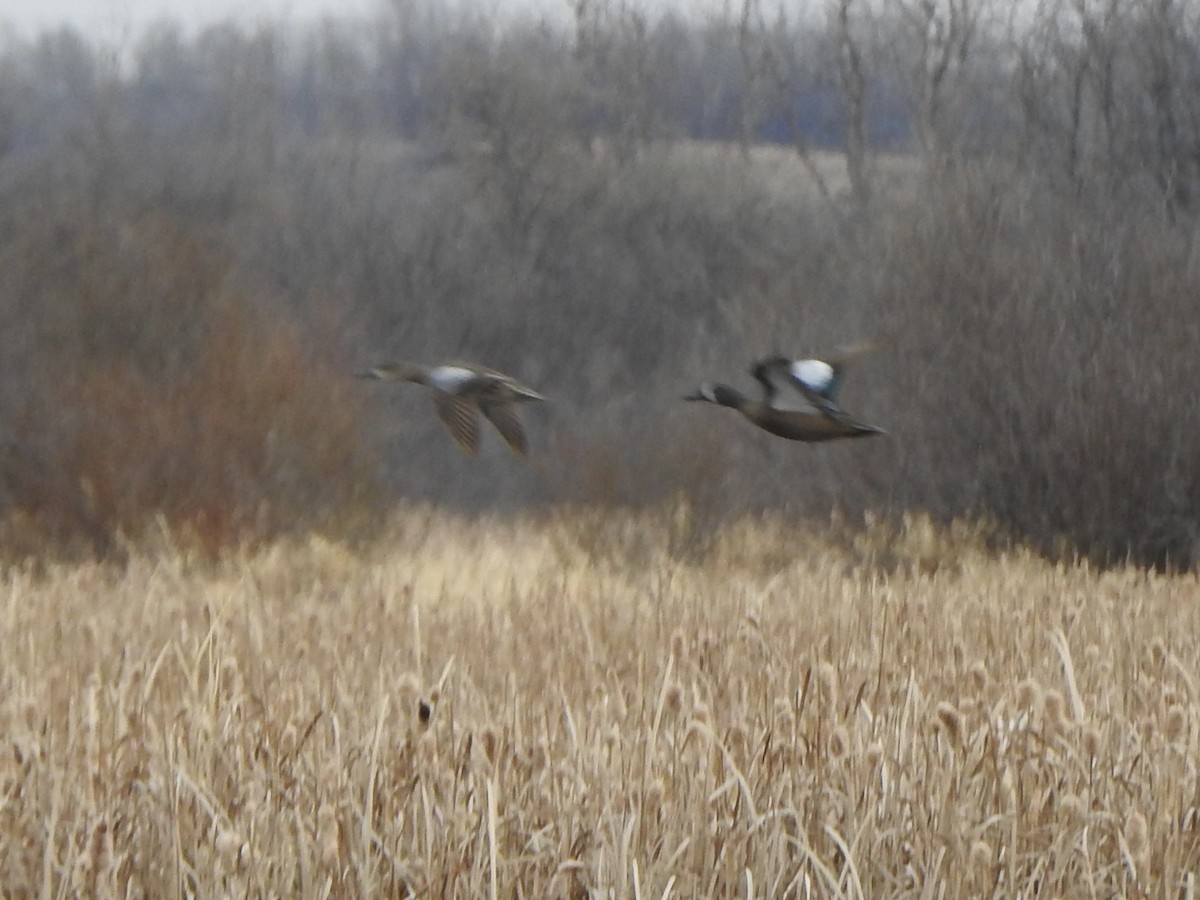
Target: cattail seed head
point(1158, 651)
point(539, 758)
point(737, 739)
point(1054, 707)
point(1008, 787)
point(1072, 808)
point(81, 874)
point(490, 742)
point(328, 777)
point(229, 846)
point(427, 749)
point(92, 707)
point(981, 856)
point(1137, 834)
point(254, 794)
point(1030, 771)
point(230, 677)
point(100, 849)
point(827, 679)
point(31, 713)
point(656, 792)
point(978, 675)
point(949, 720)
point(612, 737)
point(1175, 723)
point(328, 834)
point(408, 688)
point(677, 644)
point(875, 754)
point(1029, 695)
point(673, 698)
point(839, 742)
point(288, 740)
point(1092, 741)
point(784, 717)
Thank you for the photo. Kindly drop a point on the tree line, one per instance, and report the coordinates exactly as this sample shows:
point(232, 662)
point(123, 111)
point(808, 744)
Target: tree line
point(202, 233)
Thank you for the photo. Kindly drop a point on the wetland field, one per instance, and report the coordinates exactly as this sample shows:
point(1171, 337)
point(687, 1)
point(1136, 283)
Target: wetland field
point(600, 704)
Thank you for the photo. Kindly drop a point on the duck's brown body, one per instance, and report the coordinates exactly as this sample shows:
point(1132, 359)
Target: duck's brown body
point(828, 423)
point(804, 426)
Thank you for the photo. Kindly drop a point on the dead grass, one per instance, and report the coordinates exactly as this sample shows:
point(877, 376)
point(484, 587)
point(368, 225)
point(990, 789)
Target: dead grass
point(489, 708)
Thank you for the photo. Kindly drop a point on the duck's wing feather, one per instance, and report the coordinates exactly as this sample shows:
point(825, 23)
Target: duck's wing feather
point(459, 417)
point(504, 417)
point(484, 382)
point(765, 372)
point(778, 371)
point(820, 375)
point(847, 354)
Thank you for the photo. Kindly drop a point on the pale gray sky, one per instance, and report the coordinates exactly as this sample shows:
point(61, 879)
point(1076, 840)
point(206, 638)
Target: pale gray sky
point(114, 19)
point(110, 19)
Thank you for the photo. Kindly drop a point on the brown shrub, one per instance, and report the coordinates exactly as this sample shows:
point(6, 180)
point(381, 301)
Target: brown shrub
point(175, 397)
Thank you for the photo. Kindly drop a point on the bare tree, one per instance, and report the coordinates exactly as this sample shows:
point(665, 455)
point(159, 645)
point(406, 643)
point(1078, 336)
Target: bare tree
point(1106, 90)
point(625, 57)
point(776, 62)
point(937, 36)
point(1163, 42)
point(852, 71)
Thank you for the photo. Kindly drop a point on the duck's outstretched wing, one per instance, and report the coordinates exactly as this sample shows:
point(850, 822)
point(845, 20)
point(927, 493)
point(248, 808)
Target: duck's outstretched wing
point(812, 378)
point(825, 405)
point(459, 417)
point(820, 376)
point(779, 370)
point(815, 375)
point(765, 372)
point(849, 353)
point(504, 417)
point(845, 356)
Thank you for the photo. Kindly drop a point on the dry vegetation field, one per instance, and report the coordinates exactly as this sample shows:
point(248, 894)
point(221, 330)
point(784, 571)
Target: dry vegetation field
point(600, 704)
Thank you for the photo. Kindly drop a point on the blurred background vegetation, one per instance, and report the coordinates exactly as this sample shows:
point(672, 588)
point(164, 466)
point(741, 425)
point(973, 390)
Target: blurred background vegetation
point(202, 234)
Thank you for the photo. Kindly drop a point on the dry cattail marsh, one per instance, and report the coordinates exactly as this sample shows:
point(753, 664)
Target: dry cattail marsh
point(465, 710)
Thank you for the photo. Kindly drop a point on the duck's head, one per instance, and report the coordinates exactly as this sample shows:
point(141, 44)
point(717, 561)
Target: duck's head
point(720, 394)
point(396, 371)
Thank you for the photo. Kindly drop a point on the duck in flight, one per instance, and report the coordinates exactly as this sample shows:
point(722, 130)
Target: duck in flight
point(463, 390)
point(816, 381)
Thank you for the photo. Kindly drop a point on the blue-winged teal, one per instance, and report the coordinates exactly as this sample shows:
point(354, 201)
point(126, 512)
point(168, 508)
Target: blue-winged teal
point(827, 423)
point(460, 390)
